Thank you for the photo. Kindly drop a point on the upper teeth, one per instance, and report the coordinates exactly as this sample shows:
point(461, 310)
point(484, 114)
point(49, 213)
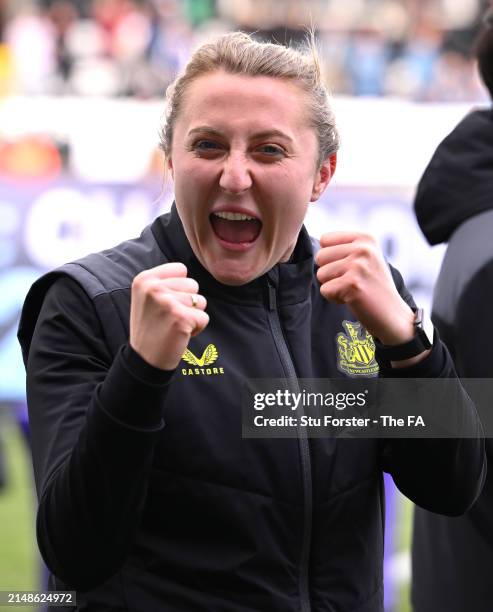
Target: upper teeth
point(232, 216)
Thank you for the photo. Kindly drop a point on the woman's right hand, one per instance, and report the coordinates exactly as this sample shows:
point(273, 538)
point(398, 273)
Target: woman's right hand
point(166, 311)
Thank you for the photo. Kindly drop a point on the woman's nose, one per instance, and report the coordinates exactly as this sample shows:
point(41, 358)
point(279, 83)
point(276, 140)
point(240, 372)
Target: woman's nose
point(235, 175)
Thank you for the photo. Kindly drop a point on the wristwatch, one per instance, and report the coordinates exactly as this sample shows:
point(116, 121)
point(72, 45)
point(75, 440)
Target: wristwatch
point(422, 340)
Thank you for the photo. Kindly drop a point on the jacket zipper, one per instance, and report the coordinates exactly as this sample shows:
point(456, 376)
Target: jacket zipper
point(305, 459)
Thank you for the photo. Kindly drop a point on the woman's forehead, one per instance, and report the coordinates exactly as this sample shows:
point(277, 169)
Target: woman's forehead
point(238, 97)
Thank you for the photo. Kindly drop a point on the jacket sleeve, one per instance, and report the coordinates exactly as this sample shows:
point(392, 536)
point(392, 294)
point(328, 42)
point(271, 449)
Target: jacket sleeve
point(473, 326)
point(94, 423)
point(472, 332)
point(441, 475)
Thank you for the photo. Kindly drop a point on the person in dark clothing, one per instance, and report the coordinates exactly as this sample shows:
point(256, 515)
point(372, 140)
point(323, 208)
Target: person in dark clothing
point(452, 559)
point(149, 497)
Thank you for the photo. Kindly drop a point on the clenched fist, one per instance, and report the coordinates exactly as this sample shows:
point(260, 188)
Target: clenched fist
point(352, 271)
point(166, 311)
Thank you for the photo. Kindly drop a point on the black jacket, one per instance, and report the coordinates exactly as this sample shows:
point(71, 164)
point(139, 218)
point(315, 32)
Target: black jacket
point(137, 513)
point(453, 558)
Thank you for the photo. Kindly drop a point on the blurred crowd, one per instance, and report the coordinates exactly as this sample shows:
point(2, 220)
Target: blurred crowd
point(417, 49)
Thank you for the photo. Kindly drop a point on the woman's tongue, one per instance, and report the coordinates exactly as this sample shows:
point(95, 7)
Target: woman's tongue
point(235, 231)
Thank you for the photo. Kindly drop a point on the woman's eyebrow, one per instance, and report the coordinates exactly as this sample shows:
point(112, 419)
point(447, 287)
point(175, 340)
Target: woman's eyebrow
point(201, 129)
point(272, 133)
point(205, 129)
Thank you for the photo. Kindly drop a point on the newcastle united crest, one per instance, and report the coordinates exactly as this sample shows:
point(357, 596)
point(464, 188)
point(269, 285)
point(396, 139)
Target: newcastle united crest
point(356, 350)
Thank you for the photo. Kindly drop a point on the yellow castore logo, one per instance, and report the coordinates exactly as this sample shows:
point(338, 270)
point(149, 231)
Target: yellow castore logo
point(209, 356)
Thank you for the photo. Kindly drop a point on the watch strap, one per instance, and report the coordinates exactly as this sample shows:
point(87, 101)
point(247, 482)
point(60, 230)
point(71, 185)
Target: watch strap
point(419, 343)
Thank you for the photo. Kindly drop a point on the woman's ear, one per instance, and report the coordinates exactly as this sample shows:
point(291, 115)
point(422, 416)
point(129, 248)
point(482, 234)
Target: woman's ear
point(169, 166)
point(323, 177)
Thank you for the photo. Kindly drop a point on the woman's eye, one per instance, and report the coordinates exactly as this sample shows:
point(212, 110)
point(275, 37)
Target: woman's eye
point(271, 150)
point(206, 145)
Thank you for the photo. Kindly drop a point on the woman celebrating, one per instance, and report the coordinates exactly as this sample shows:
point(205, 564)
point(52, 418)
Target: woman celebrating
point(149, 498)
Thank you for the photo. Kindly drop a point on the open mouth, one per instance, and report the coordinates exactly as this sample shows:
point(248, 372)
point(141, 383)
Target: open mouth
point(235, 228)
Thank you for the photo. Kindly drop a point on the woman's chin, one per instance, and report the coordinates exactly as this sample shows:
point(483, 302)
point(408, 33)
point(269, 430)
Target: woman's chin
point(231, 267)
point(234, 279)
point(234, 274)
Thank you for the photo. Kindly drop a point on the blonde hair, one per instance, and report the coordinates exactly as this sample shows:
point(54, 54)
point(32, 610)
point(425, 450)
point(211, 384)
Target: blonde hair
point(239, 53)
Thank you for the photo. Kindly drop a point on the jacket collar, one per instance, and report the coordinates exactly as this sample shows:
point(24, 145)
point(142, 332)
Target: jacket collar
point(292, 279)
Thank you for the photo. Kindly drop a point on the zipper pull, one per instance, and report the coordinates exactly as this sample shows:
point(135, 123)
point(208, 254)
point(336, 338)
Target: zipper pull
point(272, 298)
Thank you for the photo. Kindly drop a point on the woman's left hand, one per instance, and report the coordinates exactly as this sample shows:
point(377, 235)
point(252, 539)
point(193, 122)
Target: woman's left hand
point(352, 271)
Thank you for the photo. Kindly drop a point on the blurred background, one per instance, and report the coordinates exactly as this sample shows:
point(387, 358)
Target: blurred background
point(81, 101)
